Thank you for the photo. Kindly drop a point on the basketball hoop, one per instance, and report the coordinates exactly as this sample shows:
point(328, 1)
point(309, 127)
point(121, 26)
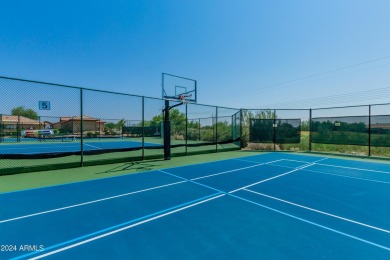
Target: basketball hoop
point(184, 98)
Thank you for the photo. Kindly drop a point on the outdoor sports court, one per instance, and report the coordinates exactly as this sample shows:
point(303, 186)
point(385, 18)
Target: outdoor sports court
point(271, 205)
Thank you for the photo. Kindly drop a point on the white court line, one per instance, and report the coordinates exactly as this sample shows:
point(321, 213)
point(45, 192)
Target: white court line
point(334, 174)
point(339, 166)
point(353, 168)
point(127, 227)
point(350, 177)
point(290, 160)
point(318, 211)
point(313, 223)
point(241, 160)
point(86, 144)
point(239, 169)
point(274, 177)
point(89, 202)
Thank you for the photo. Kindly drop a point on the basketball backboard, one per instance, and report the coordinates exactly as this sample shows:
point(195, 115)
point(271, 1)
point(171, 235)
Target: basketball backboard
point(177, 88)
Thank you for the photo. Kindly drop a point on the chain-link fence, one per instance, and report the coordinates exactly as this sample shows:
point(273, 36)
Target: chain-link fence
point(276, 129)
point(51, 126)
point(356, 130)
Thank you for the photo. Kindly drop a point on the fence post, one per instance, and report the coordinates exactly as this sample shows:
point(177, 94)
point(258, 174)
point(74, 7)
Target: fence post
point(186, 128)
point(310, 115)
point(1, 129)
point(81, 129)
point(216, 129)
point(369, 130)
point(241, 135)
point(167, 132)
point(233, 128)
point(199, 129)
point(143, 127)
point(18, 130)
point(99, 126)
point(274, 128)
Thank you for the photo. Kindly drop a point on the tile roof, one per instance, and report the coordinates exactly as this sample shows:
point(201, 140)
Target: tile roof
point(16, 119)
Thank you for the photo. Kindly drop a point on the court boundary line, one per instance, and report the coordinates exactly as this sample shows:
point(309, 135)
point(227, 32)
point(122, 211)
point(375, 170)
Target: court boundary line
point(319, 211)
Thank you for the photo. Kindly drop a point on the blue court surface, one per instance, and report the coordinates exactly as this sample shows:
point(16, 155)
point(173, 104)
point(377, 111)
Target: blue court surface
point(47, 147)
point(268, 206)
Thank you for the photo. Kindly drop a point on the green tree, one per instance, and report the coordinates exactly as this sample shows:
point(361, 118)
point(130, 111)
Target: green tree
point(26, 112)
point(305, 126)
point(109, 128)
point(178, 122)
point(174, 116)
point(121, 123)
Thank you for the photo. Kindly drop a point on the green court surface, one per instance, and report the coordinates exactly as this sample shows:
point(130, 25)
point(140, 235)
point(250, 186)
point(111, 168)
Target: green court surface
point(54, 177)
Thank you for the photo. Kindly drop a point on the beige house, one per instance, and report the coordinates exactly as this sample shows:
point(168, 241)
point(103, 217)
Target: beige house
point(11, 123)
point(73, 124)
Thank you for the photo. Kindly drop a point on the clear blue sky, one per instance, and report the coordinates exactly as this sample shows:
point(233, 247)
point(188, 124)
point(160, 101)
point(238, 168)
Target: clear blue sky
point(243, 53)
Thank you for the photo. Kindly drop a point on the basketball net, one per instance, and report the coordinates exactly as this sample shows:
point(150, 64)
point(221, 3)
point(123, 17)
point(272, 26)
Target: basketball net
point(184, 97)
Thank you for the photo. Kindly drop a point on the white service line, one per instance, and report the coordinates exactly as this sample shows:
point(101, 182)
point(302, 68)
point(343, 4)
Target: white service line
point(319, 211)
point(89, 202)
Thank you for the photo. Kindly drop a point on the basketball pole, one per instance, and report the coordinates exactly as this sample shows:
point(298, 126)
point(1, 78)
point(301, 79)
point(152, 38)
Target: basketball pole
point(167, 132)
point(167, 129)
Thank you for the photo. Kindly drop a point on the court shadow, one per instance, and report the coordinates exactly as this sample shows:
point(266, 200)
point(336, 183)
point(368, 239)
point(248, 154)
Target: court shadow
point(134, 166)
